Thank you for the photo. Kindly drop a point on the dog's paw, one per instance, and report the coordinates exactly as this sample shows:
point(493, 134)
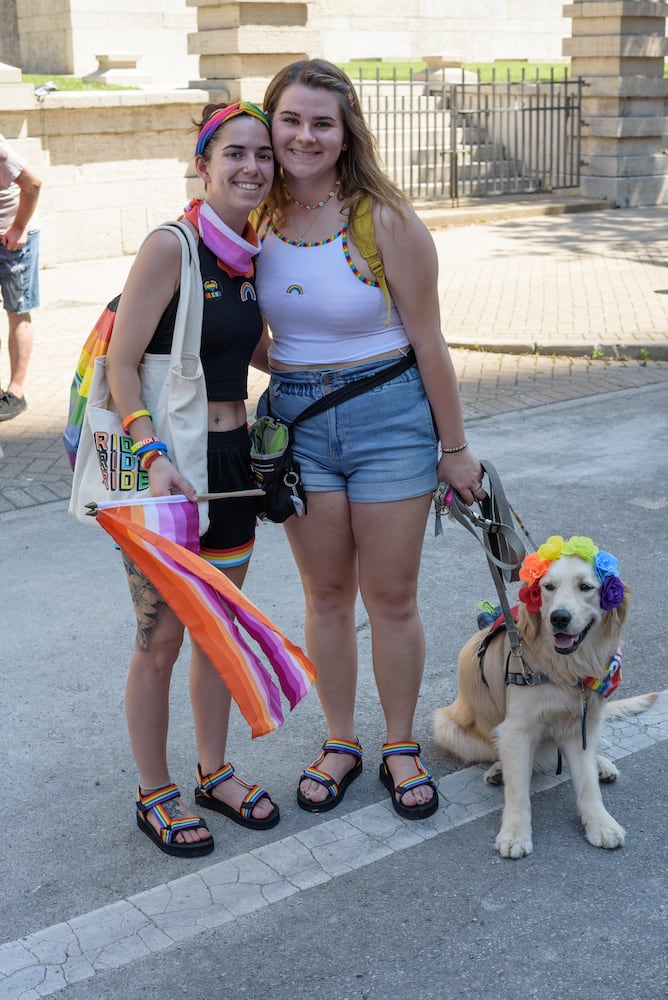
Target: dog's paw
point(607, 833)
point(494, 776)
point(607, 772)
point(513, 843)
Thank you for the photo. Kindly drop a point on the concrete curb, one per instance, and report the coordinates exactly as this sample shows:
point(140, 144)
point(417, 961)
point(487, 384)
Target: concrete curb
point(638, 351)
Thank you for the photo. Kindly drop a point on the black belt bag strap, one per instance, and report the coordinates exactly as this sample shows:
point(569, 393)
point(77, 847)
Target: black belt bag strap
point(360, 385)
point(275, 470)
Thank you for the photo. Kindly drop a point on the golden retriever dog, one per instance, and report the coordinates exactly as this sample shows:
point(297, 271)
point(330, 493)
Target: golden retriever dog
point(570, 646)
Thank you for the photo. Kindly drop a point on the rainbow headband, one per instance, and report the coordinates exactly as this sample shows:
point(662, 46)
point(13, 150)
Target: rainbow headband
point(536, 565)
point(231, 111)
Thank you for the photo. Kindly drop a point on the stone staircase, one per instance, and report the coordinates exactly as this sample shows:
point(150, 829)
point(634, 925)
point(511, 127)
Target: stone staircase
point(421, 140)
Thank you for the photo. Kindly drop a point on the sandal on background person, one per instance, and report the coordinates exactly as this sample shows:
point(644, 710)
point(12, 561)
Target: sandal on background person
point(243, 815)
point(335, 789)
point(397, 792)
point(153, 802)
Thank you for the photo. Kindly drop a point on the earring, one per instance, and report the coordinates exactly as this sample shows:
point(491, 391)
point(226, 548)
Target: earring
point(344, 146)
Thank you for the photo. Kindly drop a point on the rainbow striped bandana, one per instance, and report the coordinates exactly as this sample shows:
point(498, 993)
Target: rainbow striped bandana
point(230, 111)
point(612, 678)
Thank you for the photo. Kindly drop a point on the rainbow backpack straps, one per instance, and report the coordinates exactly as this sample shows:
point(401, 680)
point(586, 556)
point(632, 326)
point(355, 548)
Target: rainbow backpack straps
point(96, 345)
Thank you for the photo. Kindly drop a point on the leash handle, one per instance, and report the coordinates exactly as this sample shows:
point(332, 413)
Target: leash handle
point(502, 545)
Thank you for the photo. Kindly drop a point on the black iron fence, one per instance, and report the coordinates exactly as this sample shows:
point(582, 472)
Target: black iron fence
point(440, 138)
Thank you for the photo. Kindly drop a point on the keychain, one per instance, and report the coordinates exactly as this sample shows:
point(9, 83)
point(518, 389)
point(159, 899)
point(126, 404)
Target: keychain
point(442, 505)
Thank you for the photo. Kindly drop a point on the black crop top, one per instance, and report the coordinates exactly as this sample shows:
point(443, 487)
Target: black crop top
point(231, 329)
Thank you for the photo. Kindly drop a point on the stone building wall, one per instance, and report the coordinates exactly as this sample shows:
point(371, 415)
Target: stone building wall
point(9, 33)
point(113, 165)
point(64, 36)
point(479, 31)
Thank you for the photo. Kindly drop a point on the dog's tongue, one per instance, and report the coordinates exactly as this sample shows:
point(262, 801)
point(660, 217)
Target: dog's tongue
point(563, 641)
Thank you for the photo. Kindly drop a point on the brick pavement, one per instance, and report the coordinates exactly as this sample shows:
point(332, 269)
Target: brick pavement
point(593, 283)
point(562, 307)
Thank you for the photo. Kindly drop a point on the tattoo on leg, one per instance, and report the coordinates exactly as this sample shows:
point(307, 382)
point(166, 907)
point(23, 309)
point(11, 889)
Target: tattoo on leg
point(146, 600)
point(174, 809)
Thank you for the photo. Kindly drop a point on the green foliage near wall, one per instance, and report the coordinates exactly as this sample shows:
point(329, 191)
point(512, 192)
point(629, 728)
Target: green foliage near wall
point(69, 82)
point(372, 69)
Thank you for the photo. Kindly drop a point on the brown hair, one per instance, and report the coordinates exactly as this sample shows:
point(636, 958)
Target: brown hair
point(359, 168)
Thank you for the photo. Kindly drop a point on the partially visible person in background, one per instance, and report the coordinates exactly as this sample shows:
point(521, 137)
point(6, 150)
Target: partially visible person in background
point(19, 263)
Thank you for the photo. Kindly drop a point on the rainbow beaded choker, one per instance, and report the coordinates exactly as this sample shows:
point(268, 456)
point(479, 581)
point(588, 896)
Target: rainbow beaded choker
point(318, 204)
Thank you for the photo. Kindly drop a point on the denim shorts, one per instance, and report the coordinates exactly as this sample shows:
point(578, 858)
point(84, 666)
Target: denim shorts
point(378, 446)
point(19, 276)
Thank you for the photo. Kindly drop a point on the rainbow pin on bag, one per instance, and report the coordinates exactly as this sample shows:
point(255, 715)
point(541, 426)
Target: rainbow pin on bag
point(96, 345)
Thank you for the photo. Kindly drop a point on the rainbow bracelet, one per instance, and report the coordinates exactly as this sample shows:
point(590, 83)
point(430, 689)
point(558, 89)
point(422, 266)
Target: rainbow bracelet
point(149, 458)
point(134, 448)
point(131, 417)
point(153, 445)
point(453, 451)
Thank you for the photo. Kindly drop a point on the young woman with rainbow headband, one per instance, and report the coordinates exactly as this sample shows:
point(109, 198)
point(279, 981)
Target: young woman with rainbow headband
point(233, 158)
point(371, 464)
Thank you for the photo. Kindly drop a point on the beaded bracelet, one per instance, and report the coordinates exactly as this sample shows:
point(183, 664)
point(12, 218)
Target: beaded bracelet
point(457, 447)
point(134, 448)
point(153, 445)
point(149, 458)
point(131, 417)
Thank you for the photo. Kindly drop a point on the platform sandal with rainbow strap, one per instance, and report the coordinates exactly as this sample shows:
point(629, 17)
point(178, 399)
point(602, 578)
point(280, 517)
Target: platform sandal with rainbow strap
point(244, 815)
point(170, 827)
point(335, 789)
point(397, 792)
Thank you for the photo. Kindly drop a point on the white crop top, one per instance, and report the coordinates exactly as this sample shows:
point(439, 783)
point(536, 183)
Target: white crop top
point(320, 308)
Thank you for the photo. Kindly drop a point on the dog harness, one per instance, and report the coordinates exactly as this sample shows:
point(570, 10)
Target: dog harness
point(525, 678)
point(604, 686)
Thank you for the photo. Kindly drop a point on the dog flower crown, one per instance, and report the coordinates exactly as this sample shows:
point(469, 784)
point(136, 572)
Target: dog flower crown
point(536, 564)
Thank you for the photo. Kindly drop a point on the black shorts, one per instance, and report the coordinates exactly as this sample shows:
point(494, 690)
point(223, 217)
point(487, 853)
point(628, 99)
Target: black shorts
point(230, 537)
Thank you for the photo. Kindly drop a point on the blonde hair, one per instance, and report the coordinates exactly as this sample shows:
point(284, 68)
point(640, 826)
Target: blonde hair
point(359, 169)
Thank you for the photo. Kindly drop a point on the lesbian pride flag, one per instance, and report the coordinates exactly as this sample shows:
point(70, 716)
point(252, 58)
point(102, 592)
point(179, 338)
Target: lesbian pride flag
point(161, 536)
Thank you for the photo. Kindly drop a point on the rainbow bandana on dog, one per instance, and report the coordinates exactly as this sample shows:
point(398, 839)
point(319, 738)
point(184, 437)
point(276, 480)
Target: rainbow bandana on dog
point(213, 123)
point(536, 565)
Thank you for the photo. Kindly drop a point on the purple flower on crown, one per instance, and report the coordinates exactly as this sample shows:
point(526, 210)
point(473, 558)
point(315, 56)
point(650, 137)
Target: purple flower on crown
point(611, 592)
